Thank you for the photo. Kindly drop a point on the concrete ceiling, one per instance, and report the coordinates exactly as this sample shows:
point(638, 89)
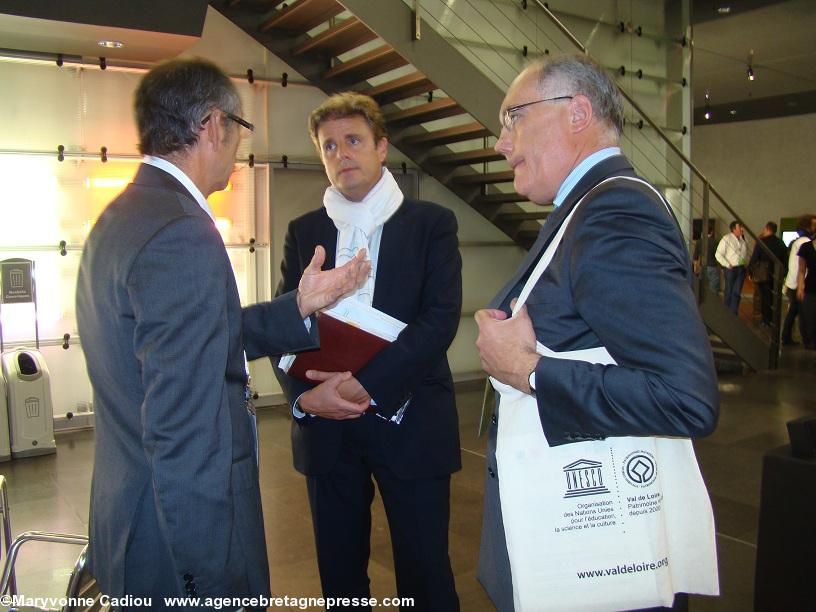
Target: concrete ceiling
point(782, 36)
point(75, 28)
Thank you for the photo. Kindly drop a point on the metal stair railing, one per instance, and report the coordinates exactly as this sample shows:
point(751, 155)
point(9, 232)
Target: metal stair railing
point(490, 36)
point(474, 33)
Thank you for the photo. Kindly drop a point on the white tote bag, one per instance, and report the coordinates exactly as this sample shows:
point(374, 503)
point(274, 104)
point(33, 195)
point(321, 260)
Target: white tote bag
point(618, 524)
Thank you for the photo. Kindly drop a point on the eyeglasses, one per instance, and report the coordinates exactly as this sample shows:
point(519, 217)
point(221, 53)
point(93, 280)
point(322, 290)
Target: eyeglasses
point(510, 115)
point(240, 121)
point(235, 118)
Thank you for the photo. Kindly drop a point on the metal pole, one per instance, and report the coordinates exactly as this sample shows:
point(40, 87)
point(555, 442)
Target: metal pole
point(702, 280)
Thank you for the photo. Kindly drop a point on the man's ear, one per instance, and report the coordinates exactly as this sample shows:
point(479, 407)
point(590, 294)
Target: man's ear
point(213, 131)
point(382, 149)
point(581, 113)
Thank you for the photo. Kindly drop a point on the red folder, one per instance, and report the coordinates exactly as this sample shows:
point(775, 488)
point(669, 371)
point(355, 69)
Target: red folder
point(343, 348)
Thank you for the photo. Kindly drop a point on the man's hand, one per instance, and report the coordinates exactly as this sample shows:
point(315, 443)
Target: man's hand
point(325, 400)
point(321, 288)
point(507, 346)
point(350, 390)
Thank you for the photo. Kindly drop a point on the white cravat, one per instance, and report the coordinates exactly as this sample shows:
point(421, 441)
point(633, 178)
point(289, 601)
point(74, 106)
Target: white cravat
point(359, 225)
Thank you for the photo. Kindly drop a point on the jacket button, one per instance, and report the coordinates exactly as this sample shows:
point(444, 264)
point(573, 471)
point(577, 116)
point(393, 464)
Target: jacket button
point(491, 472)
point(494, 420)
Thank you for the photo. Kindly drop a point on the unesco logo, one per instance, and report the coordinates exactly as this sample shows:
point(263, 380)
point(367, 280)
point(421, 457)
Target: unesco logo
point(639, 468)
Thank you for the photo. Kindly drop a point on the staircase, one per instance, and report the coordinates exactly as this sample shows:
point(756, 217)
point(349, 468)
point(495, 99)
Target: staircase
point(468, 97)
point(418, 83)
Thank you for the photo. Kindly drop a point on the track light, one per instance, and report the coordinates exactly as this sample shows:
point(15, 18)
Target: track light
point(750, 73)
point(707, 113)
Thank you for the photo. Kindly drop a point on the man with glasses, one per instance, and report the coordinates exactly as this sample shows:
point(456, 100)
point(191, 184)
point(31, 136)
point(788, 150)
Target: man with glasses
point(175, 502)
point(619, 281)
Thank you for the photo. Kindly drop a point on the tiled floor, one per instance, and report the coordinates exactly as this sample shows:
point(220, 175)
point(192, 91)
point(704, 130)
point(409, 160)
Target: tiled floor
point(51, 492)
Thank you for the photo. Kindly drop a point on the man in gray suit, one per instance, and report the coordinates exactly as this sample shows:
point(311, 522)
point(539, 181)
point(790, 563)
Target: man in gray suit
point(620, 279)
point(175, 502)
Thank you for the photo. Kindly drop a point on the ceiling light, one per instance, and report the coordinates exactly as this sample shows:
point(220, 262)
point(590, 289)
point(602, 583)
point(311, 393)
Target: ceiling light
point(733, 111)
point(707, 113)
point(724, 9)
point(750, 73)
point(111, 44)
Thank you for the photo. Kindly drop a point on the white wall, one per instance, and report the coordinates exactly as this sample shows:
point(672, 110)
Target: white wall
point(764, 169)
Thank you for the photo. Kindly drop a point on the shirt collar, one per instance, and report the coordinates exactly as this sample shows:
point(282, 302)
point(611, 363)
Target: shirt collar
point(580, 170)
point(182, 178)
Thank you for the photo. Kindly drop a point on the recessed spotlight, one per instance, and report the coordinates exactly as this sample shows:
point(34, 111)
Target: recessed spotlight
point(111, 44)
point(750, 73)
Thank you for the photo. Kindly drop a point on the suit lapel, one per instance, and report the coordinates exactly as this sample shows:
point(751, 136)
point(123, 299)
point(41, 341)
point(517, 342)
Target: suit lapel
point(608, 167)
point(389, 257)
point(326, 236)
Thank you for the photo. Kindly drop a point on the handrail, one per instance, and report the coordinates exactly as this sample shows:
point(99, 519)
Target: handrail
point(4, 509)
point(34, 536)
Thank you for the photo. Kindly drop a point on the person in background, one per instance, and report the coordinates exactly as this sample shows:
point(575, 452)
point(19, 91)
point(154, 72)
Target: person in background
point(732, 254)
point(806, 293)
point(761, 267)
point(805, 227)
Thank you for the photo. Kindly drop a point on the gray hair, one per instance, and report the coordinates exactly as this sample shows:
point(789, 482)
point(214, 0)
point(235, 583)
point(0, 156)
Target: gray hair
point(174, 98)
point(583, 75)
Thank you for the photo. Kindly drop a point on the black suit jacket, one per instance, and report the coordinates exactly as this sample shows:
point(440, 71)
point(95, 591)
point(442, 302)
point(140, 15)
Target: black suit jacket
point(621, 278)
point(419, 281)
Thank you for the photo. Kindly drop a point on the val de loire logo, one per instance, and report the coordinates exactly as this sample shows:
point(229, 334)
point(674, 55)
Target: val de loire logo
point(584, 477)
point(640, 468)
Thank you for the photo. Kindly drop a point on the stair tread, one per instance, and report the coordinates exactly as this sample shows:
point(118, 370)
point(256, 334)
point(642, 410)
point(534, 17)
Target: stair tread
point(376, 61)
point(438, 109)
point(467, 131)
point(303, 15)
point(523, 216)
point(500, 198)
point(344, 36)
point(505, 176)
point(406, 86)
point(467, 157)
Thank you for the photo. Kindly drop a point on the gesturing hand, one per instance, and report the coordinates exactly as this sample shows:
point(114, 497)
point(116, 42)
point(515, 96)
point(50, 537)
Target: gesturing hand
point(507, 346)
point(321, 288)
point(325, 400)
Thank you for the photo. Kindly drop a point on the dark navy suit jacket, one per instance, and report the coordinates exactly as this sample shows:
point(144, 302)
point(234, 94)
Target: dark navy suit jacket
point(418, 282)
point(175, 494)
point(621, 278)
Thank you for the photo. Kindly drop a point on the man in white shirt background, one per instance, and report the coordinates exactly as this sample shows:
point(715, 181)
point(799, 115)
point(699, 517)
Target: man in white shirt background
point(732, 254)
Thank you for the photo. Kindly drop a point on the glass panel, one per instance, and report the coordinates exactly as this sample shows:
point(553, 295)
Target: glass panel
point(55, 276)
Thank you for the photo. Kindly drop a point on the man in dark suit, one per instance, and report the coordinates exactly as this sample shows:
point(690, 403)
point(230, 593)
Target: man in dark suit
point(409, 439)
point(620, 279)
point(761, 267)
point(175, 503)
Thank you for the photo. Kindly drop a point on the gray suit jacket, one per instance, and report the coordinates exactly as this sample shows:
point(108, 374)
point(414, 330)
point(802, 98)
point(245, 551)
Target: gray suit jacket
point(621, 278)
point(175, 503)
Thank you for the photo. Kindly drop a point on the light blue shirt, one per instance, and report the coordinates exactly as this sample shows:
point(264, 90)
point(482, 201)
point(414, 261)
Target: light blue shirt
point(580, 170)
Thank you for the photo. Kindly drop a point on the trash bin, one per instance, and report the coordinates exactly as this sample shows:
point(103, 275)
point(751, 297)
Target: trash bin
point(30, 411)
point(5, 444)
